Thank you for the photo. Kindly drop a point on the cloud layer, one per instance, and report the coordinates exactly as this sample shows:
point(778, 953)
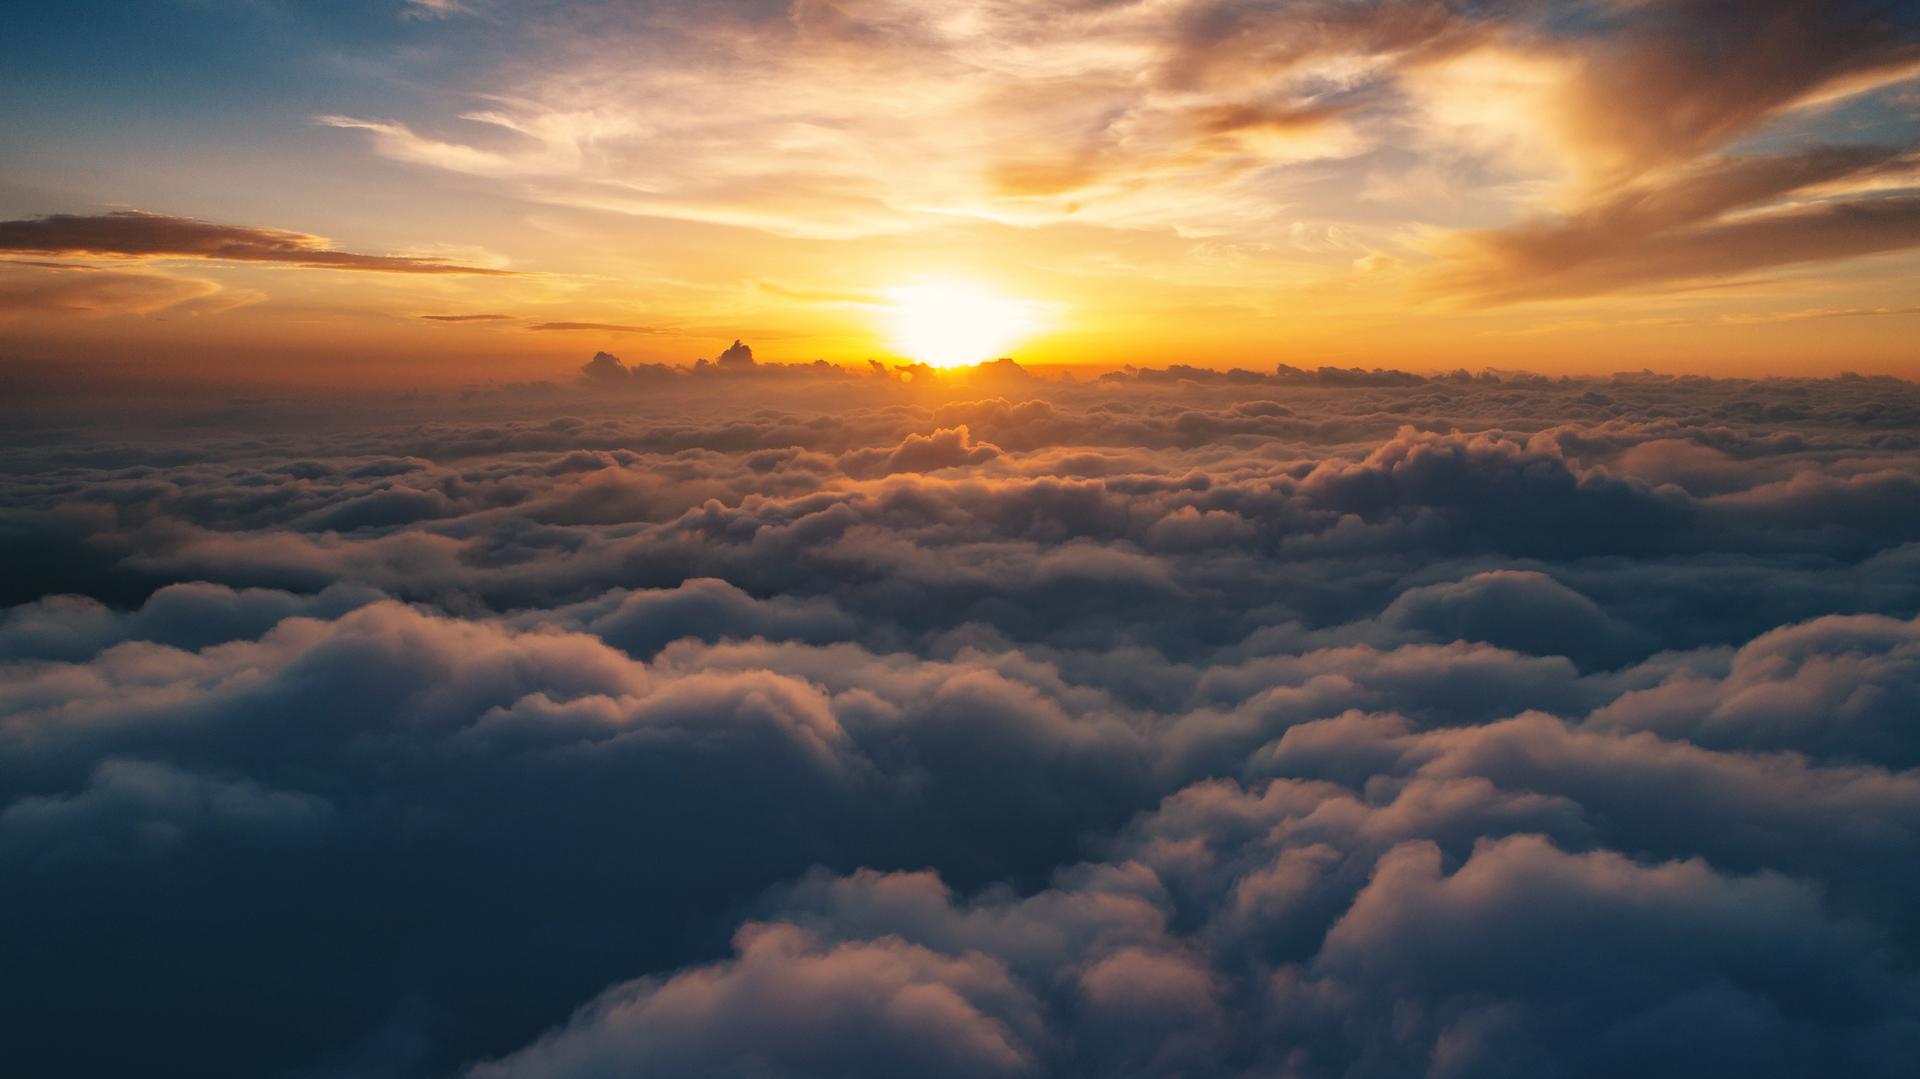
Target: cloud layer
point(763, 720)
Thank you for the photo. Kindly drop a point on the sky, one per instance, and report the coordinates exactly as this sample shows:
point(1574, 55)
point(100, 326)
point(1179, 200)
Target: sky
point(424, 193)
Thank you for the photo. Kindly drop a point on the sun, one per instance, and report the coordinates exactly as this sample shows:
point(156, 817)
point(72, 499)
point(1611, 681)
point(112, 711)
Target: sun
point(951, 323)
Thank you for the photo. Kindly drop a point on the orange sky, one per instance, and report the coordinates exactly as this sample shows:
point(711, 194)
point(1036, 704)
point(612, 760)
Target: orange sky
point(443, 193)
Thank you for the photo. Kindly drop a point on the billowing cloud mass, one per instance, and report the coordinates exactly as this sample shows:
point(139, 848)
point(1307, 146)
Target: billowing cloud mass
point(747, 719)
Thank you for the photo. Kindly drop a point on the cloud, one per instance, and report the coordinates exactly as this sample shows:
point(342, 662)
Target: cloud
point(1608, 250)
point(1517, 609)
point(644, 622)
point(42, 289)
point(788, 718)
point(148, 807)
point(136, 234)
point(467, 318)
point(1484, 947)
point(436, 9)
point(948, 447)
point(1826, 687)
point(605, 327)
point(1638, 98)
point(1655, 200)
point(189, 615)
point(792, 1007)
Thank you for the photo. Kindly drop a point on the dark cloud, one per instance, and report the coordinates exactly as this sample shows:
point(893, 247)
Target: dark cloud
point(608, 327)
point(136, 234)
point(645, 621)
point(782, 719)
point(1833, 688)
point(1517, 609)
point(787, 1005)
point(1666, 80)
point(947, 447)
point(735, 361)
point(1653, 97)
point(1592, 256)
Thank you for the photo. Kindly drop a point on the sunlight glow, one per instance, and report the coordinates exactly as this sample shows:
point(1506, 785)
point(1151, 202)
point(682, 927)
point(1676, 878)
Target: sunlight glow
point(951, 323)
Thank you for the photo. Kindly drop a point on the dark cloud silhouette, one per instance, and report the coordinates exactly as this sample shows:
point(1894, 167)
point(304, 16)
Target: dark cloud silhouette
point(794, 720)
point(608, 327)
point(136, 234)
point(736, 361)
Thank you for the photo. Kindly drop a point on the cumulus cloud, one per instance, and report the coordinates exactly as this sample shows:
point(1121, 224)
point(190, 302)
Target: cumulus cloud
point(947, 447)
point(1516, 609)
point(645, 621)
point(770, 719)
point(1831, 687)
point(788, 1006)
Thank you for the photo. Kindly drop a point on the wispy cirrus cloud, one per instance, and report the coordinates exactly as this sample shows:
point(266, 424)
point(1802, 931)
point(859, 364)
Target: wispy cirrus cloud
point(436, 9)
point(1486, 153)
point(1045, 113)
point(1655, 111)
point(548, 326)
point(1719, 219)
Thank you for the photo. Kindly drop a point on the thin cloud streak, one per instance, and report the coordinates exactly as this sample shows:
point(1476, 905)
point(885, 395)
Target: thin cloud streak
point(612, 327)
point(135, 234)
